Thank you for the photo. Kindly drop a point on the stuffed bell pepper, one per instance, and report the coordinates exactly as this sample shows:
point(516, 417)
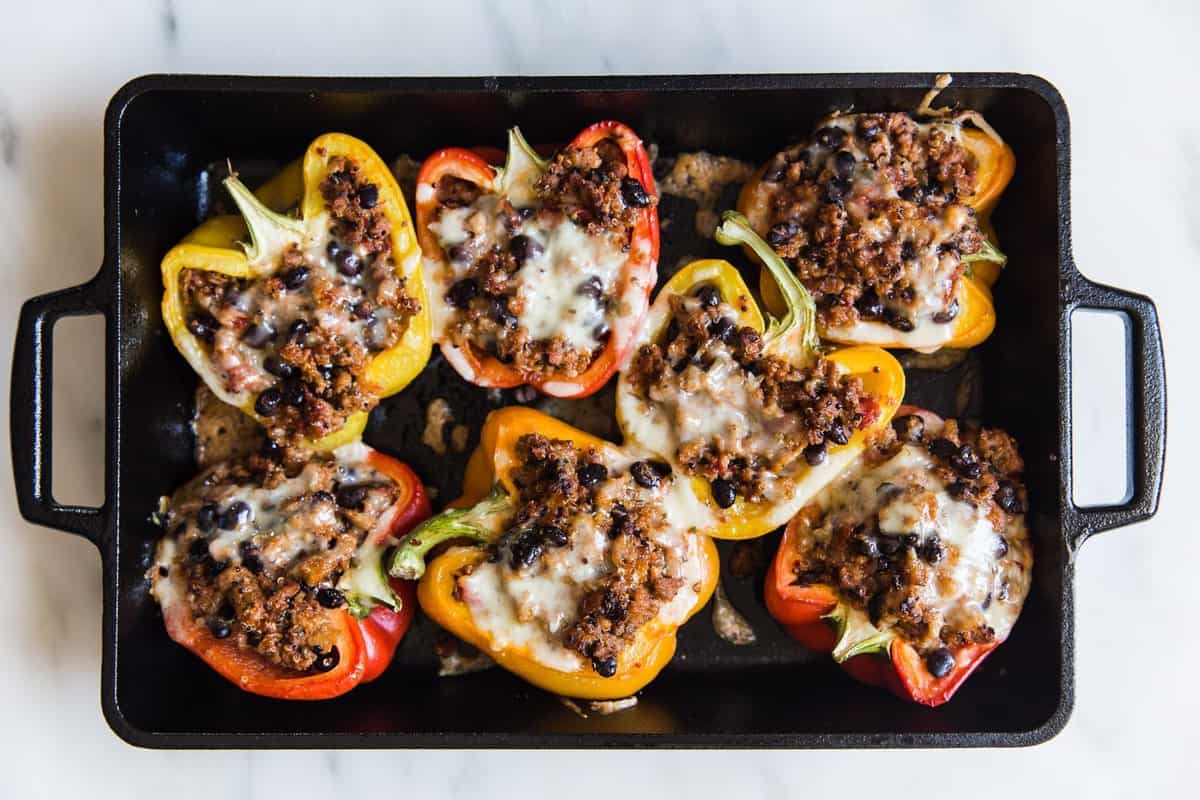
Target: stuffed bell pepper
point(540, 271)
point(752, 415)
point(568, 563)
point(322, 313)
point(883, 219)
point(913, 567)
point(275, 575)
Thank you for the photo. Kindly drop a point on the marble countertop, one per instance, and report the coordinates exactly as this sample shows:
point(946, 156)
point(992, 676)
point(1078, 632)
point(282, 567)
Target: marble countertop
point(1129, 80)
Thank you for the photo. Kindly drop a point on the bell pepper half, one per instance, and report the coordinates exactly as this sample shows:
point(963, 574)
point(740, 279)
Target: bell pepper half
point(815, 616)
point(791, 337)
point(977, 315)
point(515, 179)
point(475, 518)
point(368, 632)
point(218, 246)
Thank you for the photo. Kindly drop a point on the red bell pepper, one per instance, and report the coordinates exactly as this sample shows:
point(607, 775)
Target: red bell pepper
point(365, 645)
point(815, 616)
point(637, 278)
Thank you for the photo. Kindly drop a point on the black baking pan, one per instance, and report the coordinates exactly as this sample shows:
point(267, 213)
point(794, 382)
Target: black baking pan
point(161, 135)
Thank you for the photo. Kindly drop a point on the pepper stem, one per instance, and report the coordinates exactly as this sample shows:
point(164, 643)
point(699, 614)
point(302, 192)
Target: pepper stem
point(856, 635)
point(478, 523)
point(270, 233)
point(801, 317)
point(987, 252)
point(522, 167)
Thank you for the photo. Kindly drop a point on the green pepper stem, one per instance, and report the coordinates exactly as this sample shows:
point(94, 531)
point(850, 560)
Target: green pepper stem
point(522, 167)
point(987, 252)
point(856, 635)
point(477, 523)
point(270, 233)
point(801, 316)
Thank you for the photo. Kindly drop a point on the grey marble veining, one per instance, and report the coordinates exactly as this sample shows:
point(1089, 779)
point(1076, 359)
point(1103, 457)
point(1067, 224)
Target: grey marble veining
point(1128, 74)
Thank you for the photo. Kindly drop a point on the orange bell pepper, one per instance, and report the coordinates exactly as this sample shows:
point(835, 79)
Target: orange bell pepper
point(479, 516)
point(791, 338)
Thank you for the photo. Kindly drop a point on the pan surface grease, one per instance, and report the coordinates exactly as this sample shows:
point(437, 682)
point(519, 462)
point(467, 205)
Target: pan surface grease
point(167, 139)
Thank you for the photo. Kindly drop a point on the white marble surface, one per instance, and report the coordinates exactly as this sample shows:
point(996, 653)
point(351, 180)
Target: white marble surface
point(1129, 80)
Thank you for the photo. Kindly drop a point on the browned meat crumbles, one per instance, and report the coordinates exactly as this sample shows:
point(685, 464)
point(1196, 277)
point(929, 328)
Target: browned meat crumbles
point(557, 481)
point(276, 336)
point(822, 405)
point(892, 576)
point(260, 568)
point(872, 218)
point(590, 187)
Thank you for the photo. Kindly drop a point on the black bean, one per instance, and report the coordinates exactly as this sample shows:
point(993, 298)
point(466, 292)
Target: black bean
point(836, 191)
point(943, 448)
point(213, 568)
point(231, 295)
point(322, 496)
point(830, 138)
point(912, 193)
point(163, 571)
point(368, 195)
point(776, 169)
point(948, 314)
point(258, 335)
point(253, 638)
point(910, 427)
point(278, 367)
point(843, 164)
point(234, 515)
point(330, 597)
point(499, 312)
point(271, 448)
point(932, 550)
point(814, 454)
point(198, 550)
point(591, 473)
point(867, 128)
point(907, 251)
point(837, 433)
point(709, 295)
point(1008, 498)
point(971, 470)
point(672, 331)
point(327, 661)
point(459, 254)
point(723, 492)
point(662, 468)
point(910, 539)
point(251, 557)
point(897, 320)
point(721, 328)
point(601, 332)
point(349, 264)
point(890, 545)
point(958, 490)
point(295, 279)
point(592, 287)
point(619, 521)
point(267, 402)
point(781, 232)
point(297, 330)
point(869, 305)
point(352, 497)
point(939, 662)
point(633, 193)
point(554, 535)
point(206, 517)
point(613, 606)
point(524, 248)
point(1001, 547)
point(293, 392)
point(219, 628)
point(605, 667)
point(462, 293)
point(333, 250)
point(525, 550)
point(203, 326)
point(644, 475)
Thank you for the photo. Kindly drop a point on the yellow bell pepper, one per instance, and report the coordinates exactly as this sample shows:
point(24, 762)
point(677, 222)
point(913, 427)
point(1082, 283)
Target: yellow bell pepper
point(977, 315)
point(479, 515)
point(791, 338)
point(217, 246)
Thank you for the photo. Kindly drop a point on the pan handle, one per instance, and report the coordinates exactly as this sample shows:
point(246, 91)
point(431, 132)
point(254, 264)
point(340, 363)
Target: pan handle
point(1147, 408)
point(30, 414)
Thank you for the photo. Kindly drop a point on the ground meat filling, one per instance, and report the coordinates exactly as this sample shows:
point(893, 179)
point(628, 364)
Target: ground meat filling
point(871, 215)
point(797, 412)
point(496, 248)
point(909, 582)
point(301, 339)
point(557, 483)
point(262, 545)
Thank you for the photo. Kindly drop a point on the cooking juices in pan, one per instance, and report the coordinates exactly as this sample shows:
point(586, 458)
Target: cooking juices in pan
point(569, 560)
